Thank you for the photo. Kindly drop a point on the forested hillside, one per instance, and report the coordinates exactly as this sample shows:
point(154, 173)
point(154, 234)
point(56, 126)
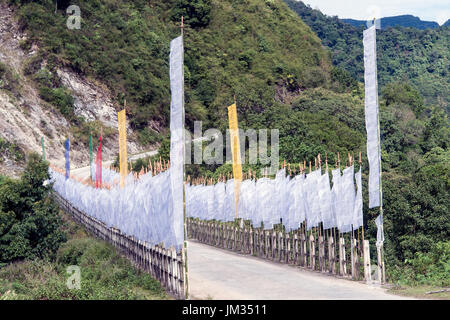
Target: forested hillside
point(283, 78)
point(421, 57)
point(253, 49)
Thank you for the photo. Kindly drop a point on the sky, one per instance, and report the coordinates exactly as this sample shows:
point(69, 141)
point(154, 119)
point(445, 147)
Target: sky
point(428, 10)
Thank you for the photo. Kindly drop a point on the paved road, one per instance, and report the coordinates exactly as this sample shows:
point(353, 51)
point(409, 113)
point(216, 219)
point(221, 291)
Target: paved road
point(219, 274)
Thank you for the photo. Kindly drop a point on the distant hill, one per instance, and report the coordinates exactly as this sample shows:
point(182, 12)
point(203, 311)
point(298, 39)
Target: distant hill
point(447, 23)
point(406, 20)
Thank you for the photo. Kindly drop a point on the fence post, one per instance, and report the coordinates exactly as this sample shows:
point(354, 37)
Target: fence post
point(380, 266)
point(287, 247)
point(235, 237)
point(342, 260)
point(331, 256)
point(250, 241)
point(321, 254)
point(355, 258)
point(266, 244)
point(312, 252)
point(273, 243)
point(216, 234)
point(243, 239)
point(303, 250)
point(295, 244)
point(366, 253)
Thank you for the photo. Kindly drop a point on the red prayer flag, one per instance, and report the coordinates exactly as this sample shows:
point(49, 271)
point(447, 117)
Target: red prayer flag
point(98, 173)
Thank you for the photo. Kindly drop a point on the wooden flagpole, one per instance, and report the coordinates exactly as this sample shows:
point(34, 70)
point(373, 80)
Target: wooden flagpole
point(184, 248)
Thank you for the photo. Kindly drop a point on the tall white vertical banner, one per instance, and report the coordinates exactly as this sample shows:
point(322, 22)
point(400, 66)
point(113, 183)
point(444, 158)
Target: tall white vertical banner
point(372, 116)
point(176, 136)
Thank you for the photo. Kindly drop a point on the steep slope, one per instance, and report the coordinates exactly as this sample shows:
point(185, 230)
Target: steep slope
point(419, 56)
point(258, 50)
point(26, 117)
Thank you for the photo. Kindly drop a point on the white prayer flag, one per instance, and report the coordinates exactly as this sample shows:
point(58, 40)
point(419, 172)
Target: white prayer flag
point(372, 119)
point(380, 231)
point(176, 137)
point(358, 212)
point(325, 198)
point(313, 215)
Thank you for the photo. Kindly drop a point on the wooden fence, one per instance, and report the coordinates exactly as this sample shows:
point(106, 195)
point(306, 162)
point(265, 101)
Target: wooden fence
point(312, 251)
point(165, 265)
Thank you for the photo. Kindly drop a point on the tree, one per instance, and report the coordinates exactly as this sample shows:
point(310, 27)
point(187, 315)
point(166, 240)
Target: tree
point(29, 219)
point(437, 132)
point(196, 13)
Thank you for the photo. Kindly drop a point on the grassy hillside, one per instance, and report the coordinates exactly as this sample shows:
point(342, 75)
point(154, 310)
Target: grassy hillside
point(105, 275)
point(421, 57)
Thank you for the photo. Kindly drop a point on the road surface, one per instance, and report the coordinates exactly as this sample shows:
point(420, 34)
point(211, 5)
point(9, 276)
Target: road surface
point(220, 274)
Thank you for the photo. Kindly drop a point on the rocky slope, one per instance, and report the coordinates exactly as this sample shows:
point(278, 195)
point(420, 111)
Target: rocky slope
point(25, 117)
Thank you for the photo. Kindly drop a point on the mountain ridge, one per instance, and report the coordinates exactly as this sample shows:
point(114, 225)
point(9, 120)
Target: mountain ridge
point(406, 20)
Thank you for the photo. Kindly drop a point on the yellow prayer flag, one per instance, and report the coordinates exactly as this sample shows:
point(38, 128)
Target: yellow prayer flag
point(122, 147)
point(235, 152)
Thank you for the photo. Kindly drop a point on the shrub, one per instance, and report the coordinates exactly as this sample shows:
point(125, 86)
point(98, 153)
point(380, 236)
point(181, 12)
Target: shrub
point(196, 13)
point(9, 79)
point(60, 98)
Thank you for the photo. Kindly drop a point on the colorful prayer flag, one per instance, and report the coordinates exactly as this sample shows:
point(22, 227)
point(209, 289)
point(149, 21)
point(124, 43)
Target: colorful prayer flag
point(122, 147)
point(91, 159)
point(67, 157)
point(236, 153)
point(43, 148)
point(98, 178)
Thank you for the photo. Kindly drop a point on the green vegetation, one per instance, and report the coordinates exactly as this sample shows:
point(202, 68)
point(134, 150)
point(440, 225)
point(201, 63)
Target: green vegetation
point(34, 254)
point(418, 56)
point(105, 275)
point(148, 136)
point(29, 221)
point(195, 13)
point(11, 150)
point(248, 48)
point(417, 220)
point(430, 268)
point(83, 129)
point(421, 292)
point(60, 98)
point(416, 175)
point(9, 80)
point(50, 87)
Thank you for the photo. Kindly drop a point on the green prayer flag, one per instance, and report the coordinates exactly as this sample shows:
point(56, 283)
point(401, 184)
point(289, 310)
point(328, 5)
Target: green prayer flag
point(91, 158)
point(43, 148)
